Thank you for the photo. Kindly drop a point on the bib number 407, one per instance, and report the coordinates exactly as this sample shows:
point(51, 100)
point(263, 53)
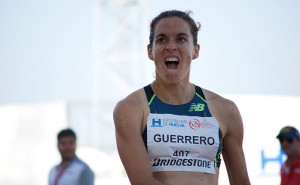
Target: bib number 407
point(181, 153)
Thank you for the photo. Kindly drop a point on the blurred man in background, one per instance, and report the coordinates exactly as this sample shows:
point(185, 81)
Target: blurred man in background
point(71, 170)
point(289, 139)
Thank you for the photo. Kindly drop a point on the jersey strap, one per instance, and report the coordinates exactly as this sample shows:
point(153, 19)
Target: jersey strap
point(150, 95)
point(200, 92)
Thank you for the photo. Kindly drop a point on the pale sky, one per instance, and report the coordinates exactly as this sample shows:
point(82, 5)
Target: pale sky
point(247, 47)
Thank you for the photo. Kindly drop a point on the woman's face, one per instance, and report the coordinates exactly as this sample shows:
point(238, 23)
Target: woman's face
point(172, 50)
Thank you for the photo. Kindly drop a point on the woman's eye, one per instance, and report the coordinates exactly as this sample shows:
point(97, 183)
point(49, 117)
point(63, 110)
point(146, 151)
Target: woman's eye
point(181, 39)
point(161, 40)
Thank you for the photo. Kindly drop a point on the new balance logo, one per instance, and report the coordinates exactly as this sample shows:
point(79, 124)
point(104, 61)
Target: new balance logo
point(196, 107)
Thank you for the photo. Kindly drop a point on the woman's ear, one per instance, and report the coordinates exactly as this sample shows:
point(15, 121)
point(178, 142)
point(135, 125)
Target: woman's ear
point(196, 51)
point(150, 55)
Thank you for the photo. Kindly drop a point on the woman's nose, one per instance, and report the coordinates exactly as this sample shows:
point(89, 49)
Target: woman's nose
point(171, 46)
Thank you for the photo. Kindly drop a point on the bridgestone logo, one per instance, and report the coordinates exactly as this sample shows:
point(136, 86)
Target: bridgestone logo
point(182, 162)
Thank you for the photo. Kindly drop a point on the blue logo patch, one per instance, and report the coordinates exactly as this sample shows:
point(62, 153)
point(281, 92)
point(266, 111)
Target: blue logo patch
point(156, 123)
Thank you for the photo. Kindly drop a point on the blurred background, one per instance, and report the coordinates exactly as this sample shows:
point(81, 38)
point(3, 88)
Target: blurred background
point(67, 63)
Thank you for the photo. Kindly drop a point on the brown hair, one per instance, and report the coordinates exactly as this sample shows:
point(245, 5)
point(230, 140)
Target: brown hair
point(176, 13)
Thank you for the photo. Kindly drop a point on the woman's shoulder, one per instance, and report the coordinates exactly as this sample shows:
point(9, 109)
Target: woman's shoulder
point(217, 100)
point(136, 100)
point(225, 110)
point(130, 112)
point(221, 107)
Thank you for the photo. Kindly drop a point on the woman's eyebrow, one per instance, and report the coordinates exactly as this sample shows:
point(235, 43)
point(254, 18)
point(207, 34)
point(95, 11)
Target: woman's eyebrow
point(179, 34)
point(182, 34)
point(160, 35)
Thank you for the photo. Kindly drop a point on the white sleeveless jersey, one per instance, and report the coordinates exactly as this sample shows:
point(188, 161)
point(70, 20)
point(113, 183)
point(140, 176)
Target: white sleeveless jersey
point(182, 137)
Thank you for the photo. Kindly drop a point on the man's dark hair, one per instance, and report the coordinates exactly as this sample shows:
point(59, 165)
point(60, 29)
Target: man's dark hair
point(176, 13)
point(66, 132)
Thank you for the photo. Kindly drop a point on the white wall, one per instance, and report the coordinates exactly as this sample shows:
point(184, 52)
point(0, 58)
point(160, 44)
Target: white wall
point(28, 141)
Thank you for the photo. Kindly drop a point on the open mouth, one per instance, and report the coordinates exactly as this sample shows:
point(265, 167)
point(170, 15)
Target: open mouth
point(172, 63)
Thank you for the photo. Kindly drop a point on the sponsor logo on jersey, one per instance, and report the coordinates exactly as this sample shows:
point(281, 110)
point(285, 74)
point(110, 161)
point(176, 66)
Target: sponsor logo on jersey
point(182, 162)
point(196, 107)
point(168, 122)
point(196, 124)
point(156, 123)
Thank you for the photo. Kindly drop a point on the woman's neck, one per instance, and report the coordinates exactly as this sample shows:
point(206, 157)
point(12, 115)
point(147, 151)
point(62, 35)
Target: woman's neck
point(175, 94)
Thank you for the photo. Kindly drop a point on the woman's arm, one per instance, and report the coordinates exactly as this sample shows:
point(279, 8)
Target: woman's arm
point(128, 119)
point(232, 145)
